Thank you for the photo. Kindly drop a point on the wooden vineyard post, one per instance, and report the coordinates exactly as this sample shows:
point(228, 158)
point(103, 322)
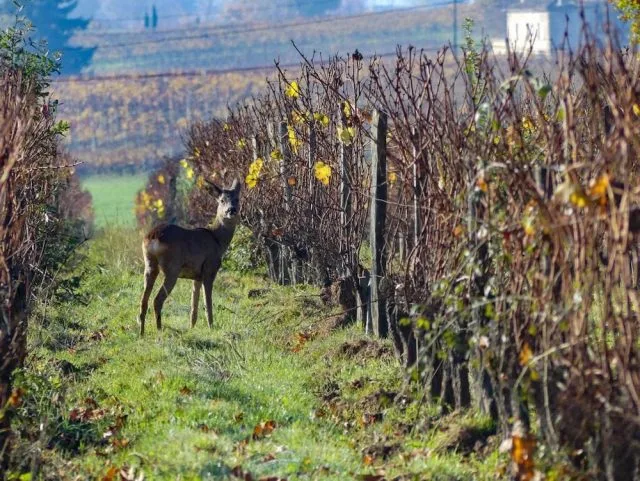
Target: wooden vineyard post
point(272, 247)
point(285, 251)
point(346, 156)
point(378, 210)
point(363, 300)
point(312, 160)
point(416, 187)
point(309, 276)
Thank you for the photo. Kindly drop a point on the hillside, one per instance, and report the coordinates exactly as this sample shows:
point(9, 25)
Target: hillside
point(134, 112)
point(258, 43)
point(134, 122)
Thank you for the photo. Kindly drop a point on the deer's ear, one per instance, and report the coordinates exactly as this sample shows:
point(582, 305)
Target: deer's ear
point(236, 186)
point(216, 190)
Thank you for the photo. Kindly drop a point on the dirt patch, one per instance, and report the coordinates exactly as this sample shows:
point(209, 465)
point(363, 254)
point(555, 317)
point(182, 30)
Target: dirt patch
point(471, 439)
point(329, 391)
point(378, 400)
point(364, 349)
point(256, 293)
point(325, 327)
point(381, 450)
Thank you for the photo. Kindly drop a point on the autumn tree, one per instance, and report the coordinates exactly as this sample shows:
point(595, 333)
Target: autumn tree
point(630, 10)
point(53, 20)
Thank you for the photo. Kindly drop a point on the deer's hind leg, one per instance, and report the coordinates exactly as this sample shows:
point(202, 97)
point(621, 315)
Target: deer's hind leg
point(195, 298)
point(150, 276)
point(169, 283)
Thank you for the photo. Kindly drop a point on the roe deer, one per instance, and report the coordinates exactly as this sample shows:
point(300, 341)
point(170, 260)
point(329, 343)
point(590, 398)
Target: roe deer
point(189, 254)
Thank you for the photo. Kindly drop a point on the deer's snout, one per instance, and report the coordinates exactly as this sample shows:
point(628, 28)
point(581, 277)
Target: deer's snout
point(232, 211)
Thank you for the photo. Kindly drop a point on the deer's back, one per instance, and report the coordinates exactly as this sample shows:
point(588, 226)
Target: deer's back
point(188, 250)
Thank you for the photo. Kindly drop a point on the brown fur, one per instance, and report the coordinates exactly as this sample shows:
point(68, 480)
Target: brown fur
point(194, 254)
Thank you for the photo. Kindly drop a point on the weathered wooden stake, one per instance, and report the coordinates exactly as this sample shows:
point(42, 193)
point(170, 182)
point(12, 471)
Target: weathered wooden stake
point(378, 210)
point(416, 186)
point(363, 302)
point(312, 159)
point(285, 150)
point(346, 155)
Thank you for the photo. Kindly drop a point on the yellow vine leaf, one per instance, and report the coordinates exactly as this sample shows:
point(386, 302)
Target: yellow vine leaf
point(161, 179)
point(482, 185)
point(184, 163)
point(241, 143)
point(525, 355)
point(293, 90)
point(598, 189)
point(322, 172)
point(294, 141)
point(276, 154)
point(346, 135)
point(226, 127)
point(200, 182)
point(346, 108)
point(254, 173)
point(579, 199)
point(321, 118)
point(196, 152)
point(636, 110)
point(299, 117)
point(527, 123)
point(392, 177)
point(189, 173)
point(528, 224)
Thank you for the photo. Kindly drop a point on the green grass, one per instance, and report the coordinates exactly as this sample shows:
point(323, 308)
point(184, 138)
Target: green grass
point(183, 403)
point(113, 197)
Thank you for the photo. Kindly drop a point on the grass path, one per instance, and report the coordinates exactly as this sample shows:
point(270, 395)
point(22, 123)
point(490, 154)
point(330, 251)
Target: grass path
point(266, 392)
point(113, 197)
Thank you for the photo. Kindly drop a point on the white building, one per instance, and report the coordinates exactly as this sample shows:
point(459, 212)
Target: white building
point(544, 29)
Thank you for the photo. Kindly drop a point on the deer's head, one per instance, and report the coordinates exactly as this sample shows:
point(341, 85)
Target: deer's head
point(228, 200)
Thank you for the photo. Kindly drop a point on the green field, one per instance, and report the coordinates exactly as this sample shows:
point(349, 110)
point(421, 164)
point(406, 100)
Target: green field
point(113, 197)
point(277, 390)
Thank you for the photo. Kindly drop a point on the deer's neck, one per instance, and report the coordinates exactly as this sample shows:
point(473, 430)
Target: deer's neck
point(223, 230)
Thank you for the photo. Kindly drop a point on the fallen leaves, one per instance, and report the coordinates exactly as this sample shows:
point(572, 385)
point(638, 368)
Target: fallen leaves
point(89, 412)
point(15, 400)
point(263, 429)
point(522, 451)
point(123, 474)
point(301, 338)
point(370, 418)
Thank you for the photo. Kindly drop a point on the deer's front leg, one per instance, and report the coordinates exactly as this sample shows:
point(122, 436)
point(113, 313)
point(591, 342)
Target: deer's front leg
point(208, 292)
point(195, 298)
